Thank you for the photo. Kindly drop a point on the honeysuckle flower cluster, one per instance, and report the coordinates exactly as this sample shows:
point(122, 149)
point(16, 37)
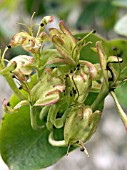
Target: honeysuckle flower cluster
point(61, 82)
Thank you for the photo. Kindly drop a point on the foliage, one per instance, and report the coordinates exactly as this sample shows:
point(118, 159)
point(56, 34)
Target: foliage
point(38, 116)
point(61, 93)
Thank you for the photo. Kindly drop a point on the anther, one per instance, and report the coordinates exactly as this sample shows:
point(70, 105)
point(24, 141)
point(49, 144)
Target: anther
point(114, 48)
point(9, 46)
point(71, 71)
point(81, 149)
point(42, 24)
point(78, 67)
point(94, 31)
point(53, 67)
point(8, 104)
point(74, 91)
point(71, 93)
point(79, 38)
point(13, 76)
point(20, 87)
point(67, 75)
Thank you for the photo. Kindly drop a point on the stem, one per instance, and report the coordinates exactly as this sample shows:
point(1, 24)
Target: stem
point(2, 58)
point(101, 96)
point(14, 87)
point(122, 114)
point(33, 117)
point(105, 86)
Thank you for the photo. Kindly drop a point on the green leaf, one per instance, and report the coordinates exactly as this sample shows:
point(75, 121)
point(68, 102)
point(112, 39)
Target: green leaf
point(10, 5)
point(86, 15)
point(121, 94)
point(98, 10)
point(91, 98)
point(87, 52)
point(31, 6)
point(121, 26)
point(120, 3)
point(23, 148)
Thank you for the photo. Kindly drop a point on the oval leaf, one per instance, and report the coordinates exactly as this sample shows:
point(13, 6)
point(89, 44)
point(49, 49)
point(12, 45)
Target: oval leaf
point(23, 148)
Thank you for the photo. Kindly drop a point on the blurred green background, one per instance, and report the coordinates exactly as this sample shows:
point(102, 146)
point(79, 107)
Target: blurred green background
point(79, 15)
point(108, 149)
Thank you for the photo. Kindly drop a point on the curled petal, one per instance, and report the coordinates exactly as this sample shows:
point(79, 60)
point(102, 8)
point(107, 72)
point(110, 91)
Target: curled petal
point(8, 109)
point(60, 46)
point(54, 31)
point(51, 98)
point(44, 22)
point(29, 43)
point(22, 103)
point(47, 19)
point(65, 43)
point(32, 44)
point(65, 30)
point(18, 38)
point(52, 56)
point(103, 61)
point(94, 75)
point(60, 87)
point(47, 91)
point(24, 64)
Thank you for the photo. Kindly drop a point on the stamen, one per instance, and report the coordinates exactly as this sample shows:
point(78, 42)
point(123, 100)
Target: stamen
point(83, 148)
point(68, 149)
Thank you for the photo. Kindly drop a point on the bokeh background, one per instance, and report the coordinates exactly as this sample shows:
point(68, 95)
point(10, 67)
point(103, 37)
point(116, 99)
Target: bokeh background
point(108, 147)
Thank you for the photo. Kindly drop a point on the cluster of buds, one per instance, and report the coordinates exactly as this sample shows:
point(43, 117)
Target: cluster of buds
point(61, 82)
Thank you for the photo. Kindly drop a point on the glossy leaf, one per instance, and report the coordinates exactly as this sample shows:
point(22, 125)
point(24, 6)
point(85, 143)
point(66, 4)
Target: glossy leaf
point(121, 95)
point(98, 10)
point(23, 148)
point(120, 3)
point(121, 26)
point(87, 52)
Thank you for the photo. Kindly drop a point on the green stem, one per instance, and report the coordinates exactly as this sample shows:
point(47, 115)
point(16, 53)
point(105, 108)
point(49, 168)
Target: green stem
point(101, 96)
point(33, 117)
point(122, 114)
point(14, 87)
point(2, 58)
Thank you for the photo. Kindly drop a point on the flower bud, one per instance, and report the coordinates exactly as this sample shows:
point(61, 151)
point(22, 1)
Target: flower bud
point(80, 124)
point(78, 85)
point(65, 43)
point(47, 91)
